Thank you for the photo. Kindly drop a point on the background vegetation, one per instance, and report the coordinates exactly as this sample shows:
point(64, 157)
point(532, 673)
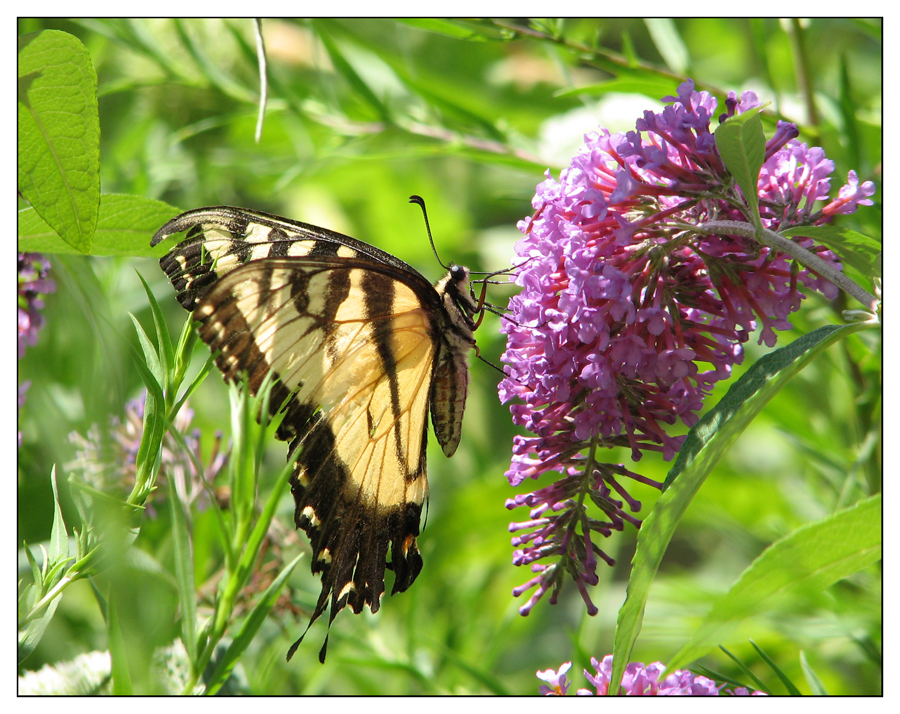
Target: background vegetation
point(361, 114)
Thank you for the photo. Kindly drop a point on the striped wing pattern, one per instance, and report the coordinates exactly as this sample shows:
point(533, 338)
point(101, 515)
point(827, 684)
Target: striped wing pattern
point(360, 345)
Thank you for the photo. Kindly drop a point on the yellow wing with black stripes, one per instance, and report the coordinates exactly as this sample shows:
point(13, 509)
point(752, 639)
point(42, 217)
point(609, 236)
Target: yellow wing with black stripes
point(361, 346)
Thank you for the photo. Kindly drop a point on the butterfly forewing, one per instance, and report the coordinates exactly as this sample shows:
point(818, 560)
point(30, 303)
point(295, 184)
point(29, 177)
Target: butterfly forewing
point(360, 345)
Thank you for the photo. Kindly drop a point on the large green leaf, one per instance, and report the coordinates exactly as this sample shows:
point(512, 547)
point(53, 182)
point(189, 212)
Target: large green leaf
point(811, 558)
point(59, 134)
point(125, 227)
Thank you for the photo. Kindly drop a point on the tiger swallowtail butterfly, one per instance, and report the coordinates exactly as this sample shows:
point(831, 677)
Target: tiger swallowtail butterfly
point(361, 346)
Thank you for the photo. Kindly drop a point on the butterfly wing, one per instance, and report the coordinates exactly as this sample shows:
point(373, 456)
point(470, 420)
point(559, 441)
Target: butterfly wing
point(360, 345)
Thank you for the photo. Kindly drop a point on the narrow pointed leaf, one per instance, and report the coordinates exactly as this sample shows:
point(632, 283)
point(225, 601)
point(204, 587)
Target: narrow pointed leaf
point(163, 340)
point(121, 676)
point(59, 538)
point(812, 679)
point(785, 680)
point(184, 572)
point(346, 70)
point(669, 44)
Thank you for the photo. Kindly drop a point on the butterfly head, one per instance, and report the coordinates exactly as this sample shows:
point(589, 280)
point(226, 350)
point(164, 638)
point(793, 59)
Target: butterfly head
point(456, 290)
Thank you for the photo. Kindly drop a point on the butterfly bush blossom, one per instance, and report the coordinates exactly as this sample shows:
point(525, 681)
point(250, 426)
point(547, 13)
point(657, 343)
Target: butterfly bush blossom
point(637, 680)
point(628, 315)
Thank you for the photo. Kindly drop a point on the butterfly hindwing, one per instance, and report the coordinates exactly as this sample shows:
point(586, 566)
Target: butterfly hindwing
point(360, 346)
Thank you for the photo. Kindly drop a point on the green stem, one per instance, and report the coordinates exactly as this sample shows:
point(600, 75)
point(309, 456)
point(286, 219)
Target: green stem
point(39, 606)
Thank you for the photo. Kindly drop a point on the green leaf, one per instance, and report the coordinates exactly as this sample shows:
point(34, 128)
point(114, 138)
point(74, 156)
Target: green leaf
point(29, 637)
point(669, 43)
point(742, 145)
point(151, 357)
point(457, 28)
point(242, 463)
point(261, 528)
point(184, 572)
point(346, 70)
point(811, 558)
point(59, 134)
point(148, 455)
point(707, 441)
point(702, 449)
point(785, 680)
point(249, 628)
point(118, 652)
point(812, 679)
point(125, 226)
point(248, 558)
point(163, 340)
point(59, 538)
point(196, 382)
point(47, 577)
point(856, 249)
point(745, 670)
point(649, 86)
point(211, 70)
point(36, 570)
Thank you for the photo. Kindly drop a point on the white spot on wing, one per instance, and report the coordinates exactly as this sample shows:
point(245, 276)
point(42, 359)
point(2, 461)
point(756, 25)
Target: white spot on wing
point(311, 515)
point(301, 248)
point(260, 250)
point(257, 233)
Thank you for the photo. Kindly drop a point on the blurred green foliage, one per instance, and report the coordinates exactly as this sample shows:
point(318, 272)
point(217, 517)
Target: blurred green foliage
point(467, 114)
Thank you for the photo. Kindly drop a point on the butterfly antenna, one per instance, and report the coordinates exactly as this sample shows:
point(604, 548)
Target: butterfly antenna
point(421, 203)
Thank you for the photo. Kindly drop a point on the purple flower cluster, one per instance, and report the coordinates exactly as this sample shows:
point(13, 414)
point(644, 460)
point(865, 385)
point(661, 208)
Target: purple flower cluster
point(628, 316)
point(33, 281)
point(109, 464)
point(638, 680)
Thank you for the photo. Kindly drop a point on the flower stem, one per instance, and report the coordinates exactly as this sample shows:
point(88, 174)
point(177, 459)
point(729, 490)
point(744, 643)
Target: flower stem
point(806, 258)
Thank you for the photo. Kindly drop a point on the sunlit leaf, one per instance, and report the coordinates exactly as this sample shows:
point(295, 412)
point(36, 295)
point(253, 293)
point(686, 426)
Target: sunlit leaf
point(59, 134)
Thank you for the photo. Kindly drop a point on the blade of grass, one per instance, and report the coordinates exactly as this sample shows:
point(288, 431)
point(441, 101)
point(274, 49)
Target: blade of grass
point(792, 689)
